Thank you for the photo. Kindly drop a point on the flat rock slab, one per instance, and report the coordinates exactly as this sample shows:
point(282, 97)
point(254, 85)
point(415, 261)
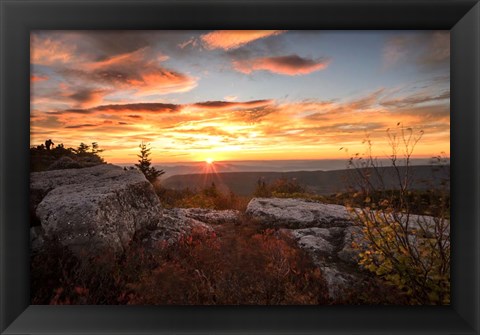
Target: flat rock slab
point(94, 209)
point(297, 213)
point(211, 216)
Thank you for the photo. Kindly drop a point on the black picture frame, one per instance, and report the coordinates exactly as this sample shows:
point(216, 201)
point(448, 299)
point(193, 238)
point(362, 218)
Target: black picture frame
point(19, 17)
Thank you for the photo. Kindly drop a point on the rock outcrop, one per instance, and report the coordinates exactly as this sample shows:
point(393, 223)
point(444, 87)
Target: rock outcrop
point(93, 209)
point(324, 231)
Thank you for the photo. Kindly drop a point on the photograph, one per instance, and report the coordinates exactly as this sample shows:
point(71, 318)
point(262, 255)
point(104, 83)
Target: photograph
point(240, 167)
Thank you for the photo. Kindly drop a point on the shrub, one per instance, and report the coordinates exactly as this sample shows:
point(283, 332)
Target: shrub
point(410, 252)
point(281, 186)
point(207, 198)
point(238, 267)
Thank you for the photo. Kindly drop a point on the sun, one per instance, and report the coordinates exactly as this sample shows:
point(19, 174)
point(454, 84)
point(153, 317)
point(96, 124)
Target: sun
point(209, 160)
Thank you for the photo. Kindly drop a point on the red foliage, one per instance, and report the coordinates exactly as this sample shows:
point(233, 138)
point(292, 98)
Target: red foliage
point(238, 264)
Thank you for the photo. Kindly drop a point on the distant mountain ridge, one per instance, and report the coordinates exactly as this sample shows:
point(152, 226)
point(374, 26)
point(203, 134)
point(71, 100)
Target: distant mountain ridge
point(178, 168)
point(319, 182)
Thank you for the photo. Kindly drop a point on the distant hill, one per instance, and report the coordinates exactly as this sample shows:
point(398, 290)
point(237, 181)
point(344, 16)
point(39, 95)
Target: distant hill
point(178, 168)
point(320, 182)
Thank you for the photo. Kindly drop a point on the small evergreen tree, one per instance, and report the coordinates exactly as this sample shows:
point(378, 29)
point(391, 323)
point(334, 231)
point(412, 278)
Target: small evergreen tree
point(262, 190)
point(211, 191)
point(144, 164)
point(95, 148)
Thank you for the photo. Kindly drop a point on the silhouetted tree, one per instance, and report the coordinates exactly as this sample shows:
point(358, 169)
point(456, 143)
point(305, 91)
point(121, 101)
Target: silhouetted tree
point(144, 164)
point(42, 159)
point(96, 149)
point(82, 149)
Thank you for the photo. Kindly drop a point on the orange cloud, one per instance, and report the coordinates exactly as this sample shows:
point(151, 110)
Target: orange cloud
point(291, 65)
point(129, 57)
point(233, 39)
point(36, 78)
point(133, 71)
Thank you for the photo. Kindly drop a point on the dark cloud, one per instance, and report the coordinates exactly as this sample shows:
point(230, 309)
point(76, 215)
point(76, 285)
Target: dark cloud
point(86, 97)
point(428, 113)
point(232, 104)
point(85, 125)
point(291, 65)
point(135, 76)
point(83, 95)
point(137, 107)
point(210, 131)
point(255, 115)
point(415, 99)
point(146, 106)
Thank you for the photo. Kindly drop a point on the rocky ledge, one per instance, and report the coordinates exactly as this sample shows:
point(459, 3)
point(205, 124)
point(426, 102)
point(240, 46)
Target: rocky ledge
point(326, 232)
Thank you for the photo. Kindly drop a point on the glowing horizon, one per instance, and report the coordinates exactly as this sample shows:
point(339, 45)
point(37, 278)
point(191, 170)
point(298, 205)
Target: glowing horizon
point(196, 96)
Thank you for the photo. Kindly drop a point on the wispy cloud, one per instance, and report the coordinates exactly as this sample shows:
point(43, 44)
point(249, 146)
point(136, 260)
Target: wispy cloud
point(426, 50)
point(49, 51)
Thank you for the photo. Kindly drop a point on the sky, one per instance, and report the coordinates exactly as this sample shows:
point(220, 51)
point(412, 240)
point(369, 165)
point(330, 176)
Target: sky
point(240, 95)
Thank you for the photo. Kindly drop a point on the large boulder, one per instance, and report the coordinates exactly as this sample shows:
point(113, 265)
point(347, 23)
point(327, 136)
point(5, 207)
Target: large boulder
point(297, 213)
point(93, 209)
